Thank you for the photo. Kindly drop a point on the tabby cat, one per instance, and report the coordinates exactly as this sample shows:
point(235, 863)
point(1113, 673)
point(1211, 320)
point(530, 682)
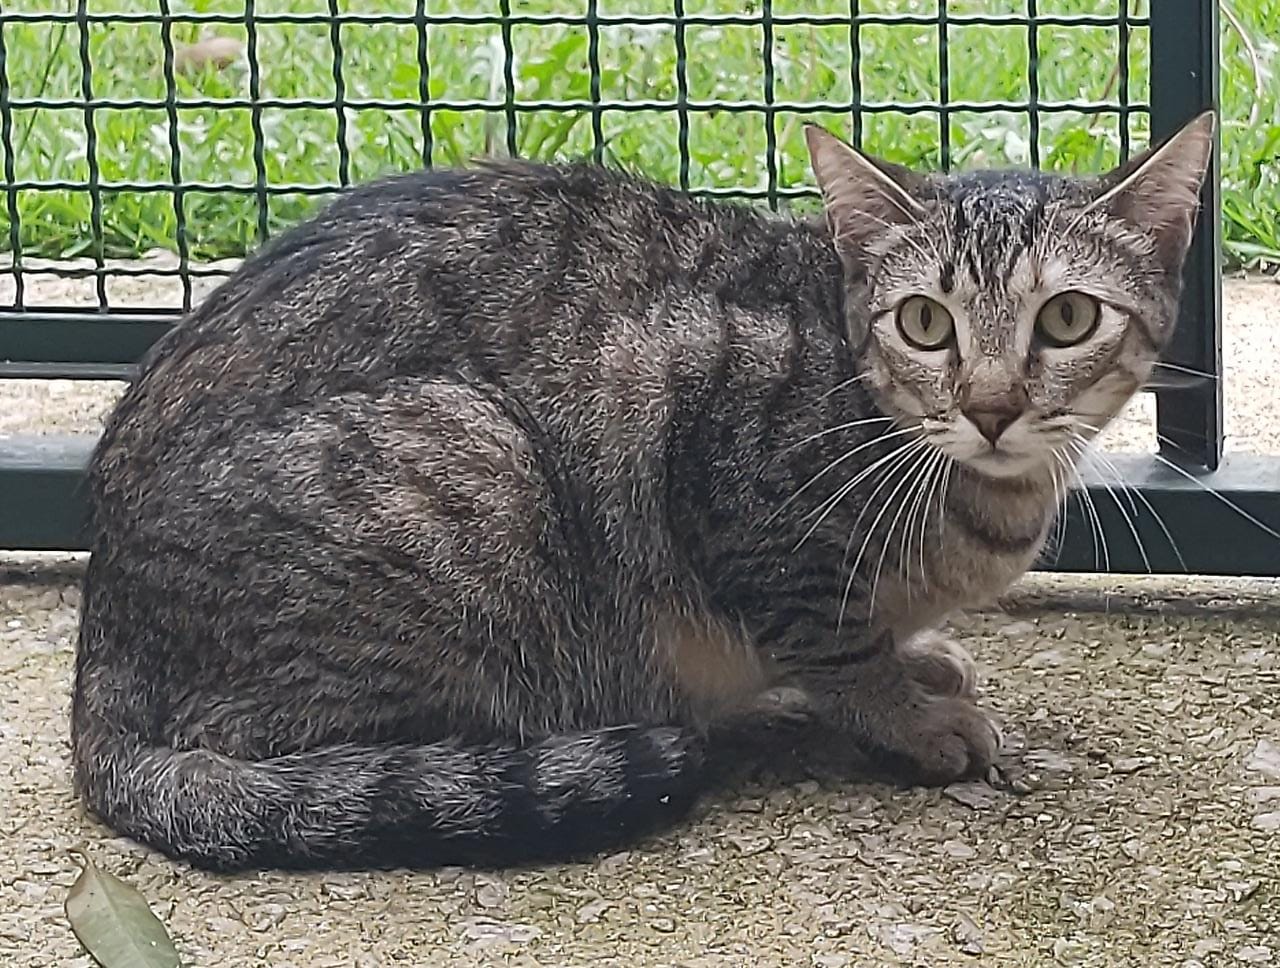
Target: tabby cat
point(455, 521)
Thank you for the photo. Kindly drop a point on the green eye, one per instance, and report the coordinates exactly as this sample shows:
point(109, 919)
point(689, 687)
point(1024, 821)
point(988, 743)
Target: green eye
point(1067, 319)
point(925, 324)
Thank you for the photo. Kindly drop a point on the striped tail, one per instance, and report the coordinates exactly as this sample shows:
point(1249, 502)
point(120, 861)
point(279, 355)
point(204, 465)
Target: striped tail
point(412, 806)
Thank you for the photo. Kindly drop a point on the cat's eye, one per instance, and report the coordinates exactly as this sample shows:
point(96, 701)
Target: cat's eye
point(925, 324)
point(1067, 319)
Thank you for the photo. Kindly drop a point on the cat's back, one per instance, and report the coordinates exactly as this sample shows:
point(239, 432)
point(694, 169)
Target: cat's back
point(517, 274)
point(415, 267)
point(491, 268)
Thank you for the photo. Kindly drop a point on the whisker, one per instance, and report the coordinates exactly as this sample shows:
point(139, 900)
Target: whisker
point(1064, 462)
point(1128, 518)
point(830, 504)
point(1095, 519)
point(1135, 492)
point(886, 476)
point(911, 503)
point(1081, 495)
point(1190, 371)
point(1217, 494)
point(942, 504)
point(915, 497)
point(866, 421)
point(1059, 497)
point(920, 507)
point(840, 386)
point(935, 482)
point(909, 481)
point(919, 455)
point(831, 466)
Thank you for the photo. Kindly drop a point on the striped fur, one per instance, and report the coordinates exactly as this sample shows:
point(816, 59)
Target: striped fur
point(453, 523)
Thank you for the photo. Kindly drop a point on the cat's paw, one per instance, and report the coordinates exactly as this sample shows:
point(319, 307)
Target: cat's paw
point(934, 740)
point(778, 710)
point(940, 665)
point(785, 706)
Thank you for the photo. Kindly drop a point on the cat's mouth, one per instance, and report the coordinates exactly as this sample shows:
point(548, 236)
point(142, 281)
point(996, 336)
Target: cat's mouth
point(1002, 462)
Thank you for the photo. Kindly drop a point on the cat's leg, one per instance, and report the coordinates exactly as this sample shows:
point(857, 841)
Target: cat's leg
point(940, 664)
point(785, 703)
point(909, 710)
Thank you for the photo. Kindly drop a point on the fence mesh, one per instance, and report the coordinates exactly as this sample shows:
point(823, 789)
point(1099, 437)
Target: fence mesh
point(146, 142)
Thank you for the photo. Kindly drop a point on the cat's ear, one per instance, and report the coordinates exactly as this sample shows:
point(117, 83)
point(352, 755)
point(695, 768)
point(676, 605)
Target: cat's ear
point(862, 196)
point(1160, 188)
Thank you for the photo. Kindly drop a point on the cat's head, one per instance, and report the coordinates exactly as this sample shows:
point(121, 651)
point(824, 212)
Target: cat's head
point(1010, 315)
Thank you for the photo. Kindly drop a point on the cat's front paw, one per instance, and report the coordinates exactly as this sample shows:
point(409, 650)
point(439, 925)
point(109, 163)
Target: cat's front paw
point(934, 740)
point(784, 705)
point(940, 665)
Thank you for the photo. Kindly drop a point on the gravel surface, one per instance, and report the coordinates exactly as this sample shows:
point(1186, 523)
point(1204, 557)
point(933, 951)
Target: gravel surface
point(1143, 746)
point(1138, 822)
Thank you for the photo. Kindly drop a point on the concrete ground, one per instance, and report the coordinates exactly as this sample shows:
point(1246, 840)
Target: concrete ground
point(1136, 820)
point(1138, 824)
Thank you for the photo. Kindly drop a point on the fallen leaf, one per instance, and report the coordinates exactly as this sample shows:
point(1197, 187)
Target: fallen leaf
point(1263, 794)
point(1067, 951)
point(1046, 659)
point(958, 850)
point(614, 864)
point(1242, 890)
point(114, 923)
point(1018, 630)
point(1134, 849)
point(1048, 760)
point(830, 961)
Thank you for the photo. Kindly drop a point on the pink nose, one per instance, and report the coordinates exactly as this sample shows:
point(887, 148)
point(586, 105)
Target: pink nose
point(992, 423)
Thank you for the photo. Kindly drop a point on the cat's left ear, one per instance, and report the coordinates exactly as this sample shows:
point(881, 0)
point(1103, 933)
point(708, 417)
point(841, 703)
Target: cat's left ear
point(1159, 189)
point(862, 196)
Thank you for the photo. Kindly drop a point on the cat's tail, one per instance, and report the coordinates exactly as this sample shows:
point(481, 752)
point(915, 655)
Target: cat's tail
point(444, 803)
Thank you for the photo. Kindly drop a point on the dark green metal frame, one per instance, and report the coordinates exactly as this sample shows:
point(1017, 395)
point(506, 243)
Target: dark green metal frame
point(1189, 511)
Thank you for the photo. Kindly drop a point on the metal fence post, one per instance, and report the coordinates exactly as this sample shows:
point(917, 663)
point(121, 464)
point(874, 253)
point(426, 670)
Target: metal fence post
point(1184, 81)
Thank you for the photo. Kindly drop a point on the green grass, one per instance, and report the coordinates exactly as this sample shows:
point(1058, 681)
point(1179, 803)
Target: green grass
point(727, 149)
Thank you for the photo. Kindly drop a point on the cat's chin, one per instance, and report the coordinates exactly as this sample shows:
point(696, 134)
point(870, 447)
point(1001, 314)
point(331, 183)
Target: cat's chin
point(1003, 466)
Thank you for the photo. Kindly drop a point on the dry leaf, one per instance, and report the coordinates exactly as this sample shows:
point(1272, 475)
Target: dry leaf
point(114, 923)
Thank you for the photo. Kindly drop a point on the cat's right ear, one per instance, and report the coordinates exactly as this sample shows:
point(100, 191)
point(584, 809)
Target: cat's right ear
point(862, 196)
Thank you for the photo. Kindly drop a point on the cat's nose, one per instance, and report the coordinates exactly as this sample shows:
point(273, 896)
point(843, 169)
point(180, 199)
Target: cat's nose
point(991, 423)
